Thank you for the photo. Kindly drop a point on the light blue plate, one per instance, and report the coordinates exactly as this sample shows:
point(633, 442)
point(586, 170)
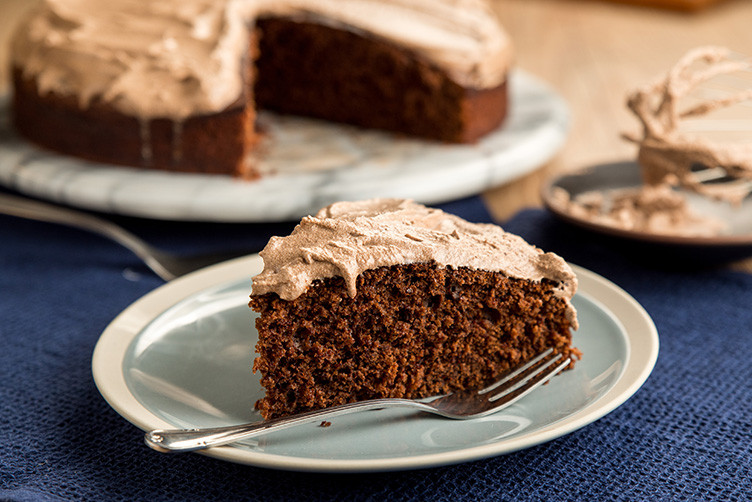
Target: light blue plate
point(189, 365)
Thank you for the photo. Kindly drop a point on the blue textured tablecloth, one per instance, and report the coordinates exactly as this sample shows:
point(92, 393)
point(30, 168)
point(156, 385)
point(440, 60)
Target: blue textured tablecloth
point(686, 435)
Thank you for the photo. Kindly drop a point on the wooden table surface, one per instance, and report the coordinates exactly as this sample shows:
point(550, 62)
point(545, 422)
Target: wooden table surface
point(590, 51)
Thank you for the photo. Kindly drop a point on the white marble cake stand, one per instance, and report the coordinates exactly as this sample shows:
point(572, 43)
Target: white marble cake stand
point(309, 164)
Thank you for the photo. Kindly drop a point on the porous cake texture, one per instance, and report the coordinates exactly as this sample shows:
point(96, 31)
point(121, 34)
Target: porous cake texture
point(388, 298)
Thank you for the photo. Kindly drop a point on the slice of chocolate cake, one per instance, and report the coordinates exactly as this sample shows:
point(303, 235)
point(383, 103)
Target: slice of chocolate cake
point(388, 298)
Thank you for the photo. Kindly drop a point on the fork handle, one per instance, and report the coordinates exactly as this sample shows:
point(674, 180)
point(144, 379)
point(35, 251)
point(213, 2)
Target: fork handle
point(49, 213)
point(183, 440)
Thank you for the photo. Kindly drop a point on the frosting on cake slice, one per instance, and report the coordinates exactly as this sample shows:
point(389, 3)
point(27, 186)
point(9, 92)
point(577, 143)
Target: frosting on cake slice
point(389, 298)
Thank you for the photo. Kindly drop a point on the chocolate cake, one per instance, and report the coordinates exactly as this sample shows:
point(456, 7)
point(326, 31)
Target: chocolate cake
point(388, 298)
point(174, 85)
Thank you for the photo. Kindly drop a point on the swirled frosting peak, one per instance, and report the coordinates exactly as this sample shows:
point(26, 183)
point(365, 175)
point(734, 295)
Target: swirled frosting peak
point(347, 238)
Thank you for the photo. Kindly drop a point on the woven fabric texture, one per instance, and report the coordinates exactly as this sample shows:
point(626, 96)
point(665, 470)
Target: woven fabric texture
point(685, 435)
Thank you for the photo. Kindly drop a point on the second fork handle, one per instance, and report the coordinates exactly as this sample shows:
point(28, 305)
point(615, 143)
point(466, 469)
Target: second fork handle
point(49, 213)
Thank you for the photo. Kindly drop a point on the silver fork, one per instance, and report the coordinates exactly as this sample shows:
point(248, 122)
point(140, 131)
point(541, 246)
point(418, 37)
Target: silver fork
point(512, 386)
point(166, 265)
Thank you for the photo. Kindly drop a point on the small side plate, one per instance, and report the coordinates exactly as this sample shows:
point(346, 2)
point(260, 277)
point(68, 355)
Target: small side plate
point(621, 175)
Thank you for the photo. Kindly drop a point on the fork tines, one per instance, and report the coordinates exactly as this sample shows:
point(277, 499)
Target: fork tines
point(520, 381)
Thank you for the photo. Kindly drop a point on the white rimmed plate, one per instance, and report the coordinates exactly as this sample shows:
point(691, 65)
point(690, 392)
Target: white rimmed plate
point(311, 164)
point(181, 357)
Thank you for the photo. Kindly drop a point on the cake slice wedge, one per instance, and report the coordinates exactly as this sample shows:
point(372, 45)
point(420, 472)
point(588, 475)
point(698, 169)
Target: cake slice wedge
point(389, 298)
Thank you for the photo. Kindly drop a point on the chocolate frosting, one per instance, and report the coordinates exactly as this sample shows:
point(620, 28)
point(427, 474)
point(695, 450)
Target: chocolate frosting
point(669, 155)
point(347, 238)
point(177, 58)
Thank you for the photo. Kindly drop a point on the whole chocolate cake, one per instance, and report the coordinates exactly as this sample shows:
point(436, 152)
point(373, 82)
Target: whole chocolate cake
point(175, 84)
point(388, 298)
